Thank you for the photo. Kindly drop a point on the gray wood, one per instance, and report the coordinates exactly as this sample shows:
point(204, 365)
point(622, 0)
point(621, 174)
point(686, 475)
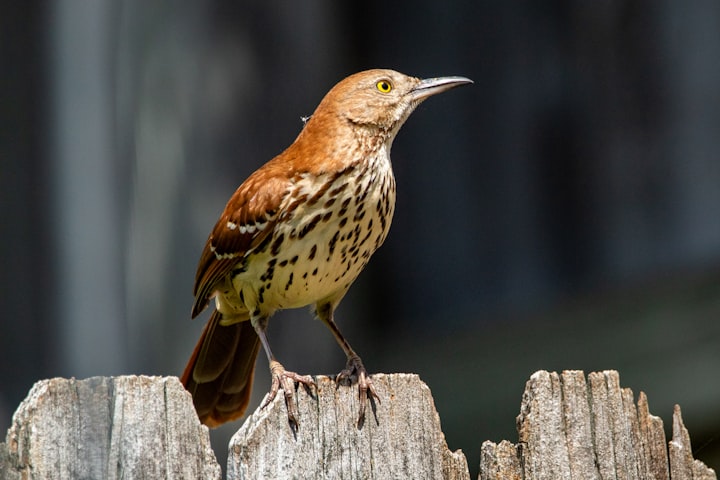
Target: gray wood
point(500, 461)
point(401, 437)
point(682, 464)
point(544, 451)
point(652, 442)
point(107, 428)
point(570, 428)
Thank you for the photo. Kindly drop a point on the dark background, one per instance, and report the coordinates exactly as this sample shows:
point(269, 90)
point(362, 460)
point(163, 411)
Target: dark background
point(561, 213)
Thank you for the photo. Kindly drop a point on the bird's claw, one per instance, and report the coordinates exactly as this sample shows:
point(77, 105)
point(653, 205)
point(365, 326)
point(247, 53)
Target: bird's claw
point(281, 378)
point(354, 369)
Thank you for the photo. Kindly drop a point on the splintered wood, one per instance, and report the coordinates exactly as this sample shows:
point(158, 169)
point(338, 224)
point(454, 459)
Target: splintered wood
point(400, 438)
point(570, 428)
point(107, 428)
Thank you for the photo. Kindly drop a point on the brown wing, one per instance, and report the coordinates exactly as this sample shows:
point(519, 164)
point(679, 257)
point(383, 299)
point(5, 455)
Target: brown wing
point(248, 219)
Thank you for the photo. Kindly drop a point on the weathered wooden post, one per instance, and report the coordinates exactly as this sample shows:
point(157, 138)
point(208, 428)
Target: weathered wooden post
point(570, 427)
point(107, 428)
point(400, 438)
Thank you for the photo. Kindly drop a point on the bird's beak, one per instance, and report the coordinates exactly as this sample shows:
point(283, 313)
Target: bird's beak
point(431, 86)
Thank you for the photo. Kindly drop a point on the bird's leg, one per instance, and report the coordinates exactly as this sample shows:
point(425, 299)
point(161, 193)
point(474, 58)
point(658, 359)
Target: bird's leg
point(281, 378)
point(354, 368)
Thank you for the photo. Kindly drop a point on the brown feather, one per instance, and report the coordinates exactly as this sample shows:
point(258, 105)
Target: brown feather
point(256, 202)
point(220, 372)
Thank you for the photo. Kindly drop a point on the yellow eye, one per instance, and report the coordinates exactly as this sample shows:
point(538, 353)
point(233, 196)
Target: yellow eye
point(384, 86)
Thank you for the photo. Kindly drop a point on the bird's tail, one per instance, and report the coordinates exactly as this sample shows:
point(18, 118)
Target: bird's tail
point(219, 374)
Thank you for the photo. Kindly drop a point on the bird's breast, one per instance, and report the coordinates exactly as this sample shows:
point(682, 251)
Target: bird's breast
point(328, 228)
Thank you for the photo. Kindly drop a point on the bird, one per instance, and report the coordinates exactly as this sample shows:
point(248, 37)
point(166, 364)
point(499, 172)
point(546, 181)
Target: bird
point(298, 232)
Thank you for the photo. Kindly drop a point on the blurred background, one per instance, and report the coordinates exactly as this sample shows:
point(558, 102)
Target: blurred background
point(561, 213)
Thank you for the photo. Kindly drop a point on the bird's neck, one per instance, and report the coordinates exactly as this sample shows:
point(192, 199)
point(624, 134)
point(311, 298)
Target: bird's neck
point(331, 144)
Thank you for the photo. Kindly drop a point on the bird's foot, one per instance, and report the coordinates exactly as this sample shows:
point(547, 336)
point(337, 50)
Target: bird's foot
point(355, 370)
point(281, 378)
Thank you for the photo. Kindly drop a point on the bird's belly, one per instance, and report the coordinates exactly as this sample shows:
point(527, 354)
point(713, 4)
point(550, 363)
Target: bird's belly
point(320, 254)
point(312, 280)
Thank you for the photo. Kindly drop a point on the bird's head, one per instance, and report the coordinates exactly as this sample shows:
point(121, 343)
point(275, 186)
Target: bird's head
point(382, 99)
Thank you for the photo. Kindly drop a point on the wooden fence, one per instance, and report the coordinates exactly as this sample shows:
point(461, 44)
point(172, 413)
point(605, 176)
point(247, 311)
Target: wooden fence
point(569, 426)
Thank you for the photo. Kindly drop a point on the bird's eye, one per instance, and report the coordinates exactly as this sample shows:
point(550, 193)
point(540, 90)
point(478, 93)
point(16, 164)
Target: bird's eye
point(384, 86)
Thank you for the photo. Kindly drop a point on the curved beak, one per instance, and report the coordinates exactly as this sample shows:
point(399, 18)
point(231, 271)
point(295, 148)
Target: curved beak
point(430, 86)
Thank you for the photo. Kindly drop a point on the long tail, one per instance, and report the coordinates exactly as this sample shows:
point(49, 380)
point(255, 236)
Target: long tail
point(219, 374)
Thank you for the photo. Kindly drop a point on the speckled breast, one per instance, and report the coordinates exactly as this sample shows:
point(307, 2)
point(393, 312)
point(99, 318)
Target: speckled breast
point(321, 245)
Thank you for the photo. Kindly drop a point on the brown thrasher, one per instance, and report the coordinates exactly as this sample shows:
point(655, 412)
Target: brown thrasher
point(298, 232)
